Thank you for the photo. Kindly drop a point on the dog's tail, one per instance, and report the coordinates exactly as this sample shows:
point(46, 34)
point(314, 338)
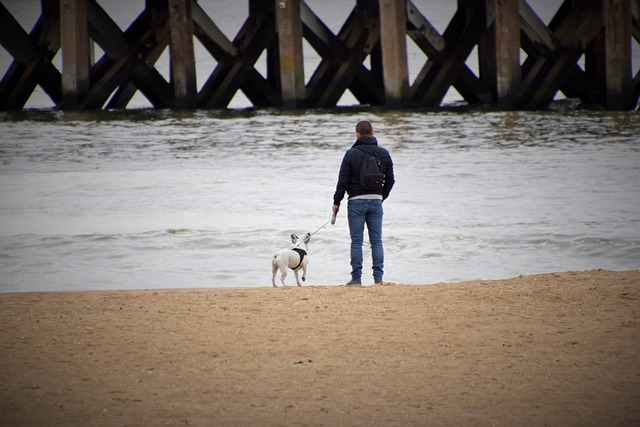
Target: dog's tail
point(275, 261)
point(279, 262)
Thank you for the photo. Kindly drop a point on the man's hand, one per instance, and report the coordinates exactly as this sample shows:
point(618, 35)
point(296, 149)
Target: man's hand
point(335, 209)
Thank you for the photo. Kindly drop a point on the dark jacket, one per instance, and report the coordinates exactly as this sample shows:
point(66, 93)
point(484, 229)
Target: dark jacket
point(348, 178)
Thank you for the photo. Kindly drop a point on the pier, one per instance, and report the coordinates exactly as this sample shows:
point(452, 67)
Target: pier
point(584, 52)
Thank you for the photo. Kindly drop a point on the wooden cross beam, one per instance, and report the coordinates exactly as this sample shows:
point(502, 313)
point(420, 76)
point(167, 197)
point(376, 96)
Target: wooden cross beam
point(32, 55)
point(343, 57)
point(572, 28)
point(427, 38)
point(254, 37)
point(128, 58)
point(260, 91)
point(538, 41)
point(366, 86)
point(161, 93)
point(448, 57)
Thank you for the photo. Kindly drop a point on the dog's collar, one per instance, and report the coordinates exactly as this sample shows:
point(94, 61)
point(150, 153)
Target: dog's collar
point(302, 253)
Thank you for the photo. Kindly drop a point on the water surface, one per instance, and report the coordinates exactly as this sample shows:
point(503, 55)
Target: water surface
point(144, 199)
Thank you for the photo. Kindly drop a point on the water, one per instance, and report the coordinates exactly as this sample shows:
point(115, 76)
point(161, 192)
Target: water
point(147, 199)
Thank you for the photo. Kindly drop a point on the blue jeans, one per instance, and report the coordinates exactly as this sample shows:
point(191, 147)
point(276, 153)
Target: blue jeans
point(369, 212)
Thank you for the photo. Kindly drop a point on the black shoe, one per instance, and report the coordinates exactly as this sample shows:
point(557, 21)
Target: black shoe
point(354, 283)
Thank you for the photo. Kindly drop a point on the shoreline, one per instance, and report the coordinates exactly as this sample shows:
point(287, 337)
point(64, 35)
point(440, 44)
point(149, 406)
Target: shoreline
point(291, 284)
point(556, 348)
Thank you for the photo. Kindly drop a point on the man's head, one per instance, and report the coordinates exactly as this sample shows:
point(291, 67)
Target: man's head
point(364, 128)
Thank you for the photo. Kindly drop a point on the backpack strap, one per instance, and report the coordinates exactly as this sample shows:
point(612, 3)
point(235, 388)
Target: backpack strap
point(302, 253)
point(375, 152)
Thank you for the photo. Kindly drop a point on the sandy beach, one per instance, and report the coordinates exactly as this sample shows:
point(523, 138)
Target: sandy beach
point(552, 349)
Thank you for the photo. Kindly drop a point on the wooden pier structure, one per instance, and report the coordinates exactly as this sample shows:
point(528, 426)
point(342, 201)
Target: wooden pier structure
point(522, 62)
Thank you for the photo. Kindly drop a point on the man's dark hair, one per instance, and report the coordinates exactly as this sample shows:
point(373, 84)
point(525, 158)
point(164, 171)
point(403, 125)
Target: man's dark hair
point(364, 128)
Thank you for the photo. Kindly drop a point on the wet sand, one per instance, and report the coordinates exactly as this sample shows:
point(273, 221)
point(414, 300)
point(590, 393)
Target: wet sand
point(552, 349)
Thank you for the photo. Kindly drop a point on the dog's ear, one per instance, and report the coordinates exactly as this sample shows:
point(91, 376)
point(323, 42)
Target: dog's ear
point(307, 237)
point(294, 238)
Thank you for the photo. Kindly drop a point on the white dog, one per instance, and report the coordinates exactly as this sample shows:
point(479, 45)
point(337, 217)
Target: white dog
point(295, 259)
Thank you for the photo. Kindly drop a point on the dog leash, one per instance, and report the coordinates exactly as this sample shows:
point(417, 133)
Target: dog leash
point(332, 221)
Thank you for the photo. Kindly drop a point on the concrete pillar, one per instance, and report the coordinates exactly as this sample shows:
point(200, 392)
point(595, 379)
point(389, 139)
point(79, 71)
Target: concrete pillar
point(393, 42)
point(289, 28)
point(183, 67)
point(74, 41)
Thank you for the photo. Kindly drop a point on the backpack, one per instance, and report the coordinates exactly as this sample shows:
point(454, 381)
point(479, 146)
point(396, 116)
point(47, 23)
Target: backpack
point(372, 170)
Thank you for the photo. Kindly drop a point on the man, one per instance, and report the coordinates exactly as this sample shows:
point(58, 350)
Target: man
point(365, 205)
